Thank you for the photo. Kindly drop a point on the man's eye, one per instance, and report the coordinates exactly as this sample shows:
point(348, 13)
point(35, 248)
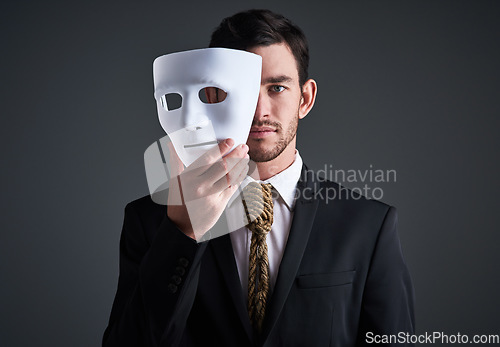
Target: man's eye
point(277, 89)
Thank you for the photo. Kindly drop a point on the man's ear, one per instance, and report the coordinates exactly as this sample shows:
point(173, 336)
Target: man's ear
point(309, 90)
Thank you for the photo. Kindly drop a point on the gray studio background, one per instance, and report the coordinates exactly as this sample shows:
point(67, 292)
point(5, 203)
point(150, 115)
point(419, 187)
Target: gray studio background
point(411, 86)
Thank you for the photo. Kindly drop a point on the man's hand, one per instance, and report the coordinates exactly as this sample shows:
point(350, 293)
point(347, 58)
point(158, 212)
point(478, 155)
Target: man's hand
point(205, 186)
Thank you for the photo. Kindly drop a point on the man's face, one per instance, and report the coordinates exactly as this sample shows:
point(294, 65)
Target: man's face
point(274, 125)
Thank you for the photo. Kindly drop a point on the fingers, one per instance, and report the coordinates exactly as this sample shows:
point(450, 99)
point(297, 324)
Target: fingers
point(212, 155)
point(222, 167)
point(234, 176)
point(216, 173)
point(229, 191)
point(235, 180)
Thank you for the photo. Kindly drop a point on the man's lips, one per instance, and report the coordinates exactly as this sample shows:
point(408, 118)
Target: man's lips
point(259, 132)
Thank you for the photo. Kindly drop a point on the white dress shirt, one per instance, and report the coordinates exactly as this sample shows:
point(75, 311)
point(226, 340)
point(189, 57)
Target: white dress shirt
point(284, 184)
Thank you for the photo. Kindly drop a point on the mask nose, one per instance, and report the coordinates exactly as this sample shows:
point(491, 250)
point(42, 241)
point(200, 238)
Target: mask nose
point(194, 116)
point(193, 122)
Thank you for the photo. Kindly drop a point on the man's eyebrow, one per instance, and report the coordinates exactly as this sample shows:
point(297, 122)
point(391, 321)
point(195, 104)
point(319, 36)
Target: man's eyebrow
point(277, 79)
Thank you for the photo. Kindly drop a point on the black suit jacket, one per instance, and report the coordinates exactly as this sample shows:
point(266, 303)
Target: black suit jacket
point(342, 275)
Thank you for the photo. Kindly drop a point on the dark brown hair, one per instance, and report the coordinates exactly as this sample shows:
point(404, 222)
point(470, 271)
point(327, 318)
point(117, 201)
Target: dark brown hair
point(252, 28)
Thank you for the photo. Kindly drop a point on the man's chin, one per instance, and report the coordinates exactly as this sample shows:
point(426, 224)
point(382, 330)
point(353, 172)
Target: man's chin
point(261, 155)
point(260, 159)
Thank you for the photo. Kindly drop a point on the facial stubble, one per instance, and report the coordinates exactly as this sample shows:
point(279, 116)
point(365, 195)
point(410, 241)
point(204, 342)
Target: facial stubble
point(259, 155)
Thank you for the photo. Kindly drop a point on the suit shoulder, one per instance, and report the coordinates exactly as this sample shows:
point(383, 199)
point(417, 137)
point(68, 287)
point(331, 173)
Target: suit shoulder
point(333, 192)
point(146, 208)
point(144, 201)
point(364, 216)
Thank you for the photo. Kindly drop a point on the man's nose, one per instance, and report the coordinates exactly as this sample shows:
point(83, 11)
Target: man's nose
point(262, 110)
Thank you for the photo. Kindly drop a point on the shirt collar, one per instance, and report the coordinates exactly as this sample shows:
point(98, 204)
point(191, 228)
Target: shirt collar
point(284, 182)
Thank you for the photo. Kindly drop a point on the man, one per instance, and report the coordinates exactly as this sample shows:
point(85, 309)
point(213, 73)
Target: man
point(336, 272)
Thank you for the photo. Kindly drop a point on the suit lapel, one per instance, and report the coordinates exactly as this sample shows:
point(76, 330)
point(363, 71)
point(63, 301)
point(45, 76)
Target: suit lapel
point(305, 211)
point(224, 254)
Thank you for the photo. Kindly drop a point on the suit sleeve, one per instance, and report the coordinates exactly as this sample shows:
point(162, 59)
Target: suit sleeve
point(156, 286)
point(388, 298)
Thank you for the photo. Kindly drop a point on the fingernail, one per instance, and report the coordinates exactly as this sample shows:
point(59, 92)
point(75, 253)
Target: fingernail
point(229, 142)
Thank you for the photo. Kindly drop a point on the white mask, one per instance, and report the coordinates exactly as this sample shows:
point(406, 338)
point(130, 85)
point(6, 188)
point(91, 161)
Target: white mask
point(196, 126)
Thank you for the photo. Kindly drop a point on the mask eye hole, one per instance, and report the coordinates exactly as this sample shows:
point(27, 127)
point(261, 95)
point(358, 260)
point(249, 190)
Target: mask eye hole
point(212, 95)
point(171, 101)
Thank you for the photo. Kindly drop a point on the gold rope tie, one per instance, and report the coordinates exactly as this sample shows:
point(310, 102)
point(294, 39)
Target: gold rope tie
point(258, 204)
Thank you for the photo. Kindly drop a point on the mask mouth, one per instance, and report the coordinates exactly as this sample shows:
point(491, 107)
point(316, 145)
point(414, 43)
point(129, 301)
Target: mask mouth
point(201, 144)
